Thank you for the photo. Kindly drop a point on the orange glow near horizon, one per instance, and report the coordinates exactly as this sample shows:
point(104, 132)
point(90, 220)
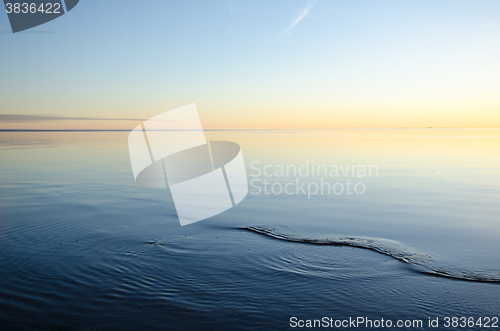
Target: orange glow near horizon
point(367, 114)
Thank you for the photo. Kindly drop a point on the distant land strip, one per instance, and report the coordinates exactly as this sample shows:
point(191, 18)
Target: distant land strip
point(251, 129)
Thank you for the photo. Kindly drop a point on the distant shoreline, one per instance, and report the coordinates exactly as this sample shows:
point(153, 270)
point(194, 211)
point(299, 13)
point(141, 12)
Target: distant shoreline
point(257, 129)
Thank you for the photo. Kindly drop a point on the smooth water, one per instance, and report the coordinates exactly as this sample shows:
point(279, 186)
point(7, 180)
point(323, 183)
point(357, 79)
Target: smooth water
point(82, 247)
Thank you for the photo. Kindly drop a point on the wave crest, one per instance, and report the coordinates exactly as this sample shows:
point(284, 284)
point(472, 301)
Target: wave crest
point(426, 263)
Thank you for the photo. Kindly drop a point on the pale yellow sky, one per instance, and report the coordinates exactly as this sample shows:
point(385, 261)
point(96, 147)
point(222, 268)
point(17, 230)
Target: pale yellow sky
point(414, 64)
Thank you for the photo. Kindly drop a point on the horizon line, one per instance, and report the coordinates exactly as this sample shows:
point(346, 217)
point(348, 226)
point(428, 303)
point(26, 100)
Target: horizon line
point(250, 129)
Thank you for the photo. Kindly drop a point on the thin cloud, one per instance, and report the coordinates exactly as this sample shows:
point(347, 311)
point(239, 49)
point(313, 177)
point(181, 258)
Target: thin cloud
point(364, 80)
point(301, 16)
point(15, 118)
point(230, 5)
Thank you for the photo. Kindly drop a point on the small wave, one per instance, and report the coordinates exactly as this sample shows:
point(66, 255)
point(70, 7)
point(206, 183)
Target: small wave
point(156, 243)
point(426, 264)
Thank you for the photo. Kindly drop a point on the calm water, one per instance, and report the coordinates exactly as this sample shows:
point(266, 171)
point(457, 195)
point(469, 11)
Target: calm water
point(82, 247)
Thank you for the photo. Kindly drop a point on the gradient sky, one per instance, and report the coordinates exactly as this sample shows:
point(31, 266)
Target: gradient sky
point(256, 64)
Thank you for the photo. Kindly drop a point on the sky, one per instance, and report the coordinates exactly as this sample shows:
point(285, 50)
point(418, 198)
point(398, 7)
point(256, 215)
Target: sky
point(110, 64)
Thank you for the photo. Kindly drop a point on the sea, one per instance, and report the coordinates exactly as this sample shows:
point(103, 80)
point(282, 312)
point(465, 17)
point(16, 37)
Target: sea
point(340, 229)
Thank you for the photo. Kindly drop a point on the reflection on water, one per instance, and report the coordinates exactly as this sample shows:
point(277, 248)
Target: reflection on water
point(83, 247)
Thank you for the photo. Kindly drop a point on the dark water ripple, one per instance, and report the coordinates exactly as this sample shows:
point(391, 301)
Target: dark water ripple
point(423, 263)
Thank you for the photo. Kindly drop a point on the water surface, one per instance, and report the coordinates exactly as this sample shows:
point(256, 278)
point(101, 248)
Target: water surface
point(82, 247)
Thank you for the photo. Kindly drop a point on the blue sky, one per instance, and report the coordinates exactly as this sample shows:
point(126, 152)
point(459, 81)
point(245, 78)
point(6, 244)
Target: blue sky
point(259, 63)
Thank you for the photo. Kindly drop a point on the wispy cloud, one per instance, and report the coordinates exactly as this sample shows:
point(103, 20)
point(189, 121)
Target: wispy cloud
point(16, 118)
point(301, 16)
point(230, 5)
point(364, 80)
